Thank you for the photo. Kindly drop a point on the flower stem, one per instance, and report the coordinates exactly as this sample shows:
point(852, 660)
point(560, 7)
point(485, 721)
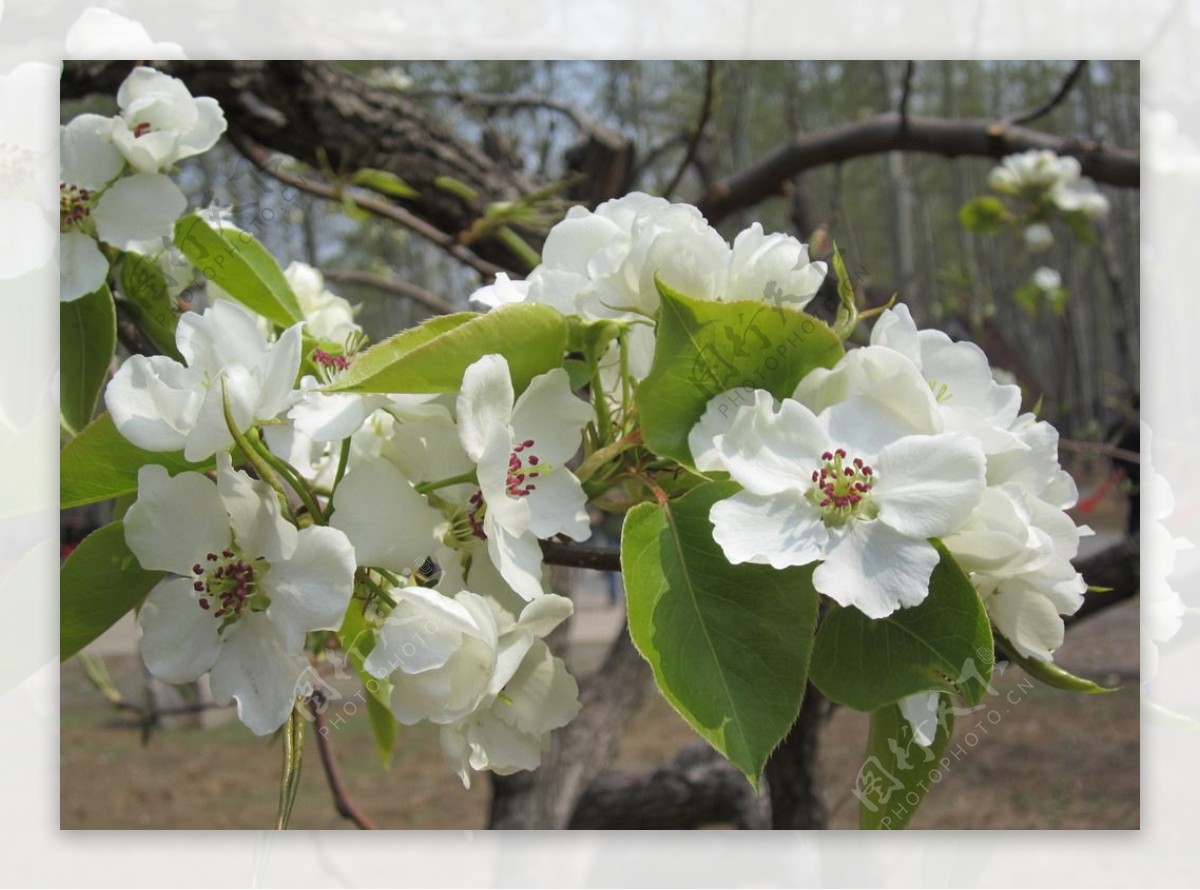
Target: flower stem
point(260, 466)
point(290, 474)
point(460, 479)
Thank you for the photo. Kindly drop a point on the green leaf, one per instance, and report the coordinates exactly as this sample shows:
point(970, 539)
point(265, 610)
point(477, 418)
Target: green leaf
point(385, 182)
point(357, 642)
point(984, 215)
point(729, 645)
point(943, 644)
point(99, 583)
point(898, 771)
point(237, 263)
point(705, 348)
point(100, 463)
point(1048, 672)
point(146, 295)
point(87, 337)
point(433, 356)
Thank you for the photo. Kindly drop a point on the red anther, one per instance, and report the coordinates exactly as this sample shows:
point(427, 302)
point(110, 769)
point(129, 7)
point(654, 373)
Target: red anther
point(204, 603)
point(198, 569)
point(198, 587)
point(228, 554)
point(533, 460)
point(828, 455)
point(141, 129)
point(212, 557)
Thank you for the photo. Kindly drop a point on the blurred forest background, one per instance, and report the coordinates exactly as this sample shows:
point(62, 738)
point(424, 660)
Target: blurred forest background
point(683, 129)
point(894, 215)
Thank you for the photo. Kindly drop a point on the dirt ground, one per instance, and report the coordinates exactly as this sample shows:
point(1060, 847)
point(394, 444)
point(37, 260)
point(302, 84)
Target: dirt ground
point(1044, 759)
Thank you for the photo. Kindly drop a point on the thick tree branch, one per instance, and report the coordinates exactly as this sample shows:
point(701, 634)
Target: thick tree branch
point(884, 132)
point(581, 556)
point(1054, 101)
point(514, 101)
point(404, 289)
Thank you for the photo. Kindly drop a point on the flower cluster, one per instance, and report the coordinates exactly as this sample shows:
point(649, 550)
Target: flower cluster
point(603, 264)
point(113, 190)
point(409, 521)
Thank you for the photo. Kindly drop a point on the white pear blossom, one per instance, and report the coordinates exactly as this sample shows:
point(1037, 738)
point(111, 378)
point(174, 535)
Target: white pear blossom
point(520, 448)
point(162, 405)
point(94, 204)
point(852, 488)
point(603, 263)
point(1046, 279)
point(1038, 237)
point(243, 588)
point(326, 315)
point(1041, 172)
point(529, 695)
point(161, 122)
point(439, 652)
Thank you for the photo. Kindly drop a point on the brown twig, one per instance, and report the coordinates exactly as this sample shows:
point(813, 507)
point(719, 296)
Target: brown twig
point(1054, 101)
point(261, 158)
point(706, 104)
point(341, 800)
point(391, 286)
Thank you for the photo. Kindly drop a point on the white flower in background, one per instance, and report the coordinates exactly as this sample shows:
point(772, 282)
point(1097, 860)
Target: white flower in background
point(521, 448)
point(161, 122)
point(440, 654)
point(1036, 169)
point(244, 587)
point(326, 315)
point(1040, 172)
point(529, 695)
point(1046, 279)
point(850, 488)
point(160, 405)
point(1162, 606)
point(1038, 237)
point(92, 206)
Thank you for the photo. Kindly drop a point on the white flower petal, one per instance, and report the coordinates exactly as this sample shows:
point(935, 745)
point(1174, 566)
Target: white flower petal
point(137, 208)
point(225, 334)
point(240, 388)
point(279, 371)
point(719, 418)
point(154, 402)
point(389, 524)
point(772, 450)
point(311, 590)
point(518, 557)
point(485, 403)
point(545, 613)
point(1027, 619)
point(549, 414)
point(210, 124)
point(541, 696)
point(180, 641)
point(82, 267)
point(256, 669)
point(781, 531)
point(558, 505)
point(175, 521)
point(87, 156)
point(927, 486)
point(259, 528)
point(876, 569)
